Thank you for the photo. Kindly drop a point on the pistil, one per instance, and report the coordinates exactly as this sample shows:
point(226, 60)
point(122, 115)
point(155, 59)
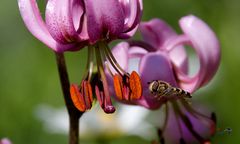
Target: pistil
point(102, 90)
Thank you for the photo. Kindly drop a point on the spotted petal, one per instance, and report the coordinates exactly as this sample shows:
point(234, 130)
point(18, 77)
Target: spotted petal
point(35, 24)
point(63, 20)
point(105, 18)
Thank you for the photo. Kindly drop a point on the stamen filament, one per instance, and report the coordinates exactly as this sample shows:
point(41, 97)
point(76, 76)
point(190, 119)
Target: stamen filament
point(108, 68)
point(188, 123)
point(89, 67)
point(112, 59)
point(166, 117)
point(192, 111)
point(176, 111)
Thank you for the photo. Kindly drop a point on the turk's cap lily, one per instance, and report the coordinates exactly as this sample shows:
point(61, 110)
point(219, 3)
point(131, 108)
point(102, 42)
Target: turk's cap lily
point(72, 24)
point(163, 57)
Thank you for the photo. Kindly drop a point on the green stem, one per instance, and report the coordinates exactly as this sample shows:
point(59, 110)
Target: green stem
point(73, 113)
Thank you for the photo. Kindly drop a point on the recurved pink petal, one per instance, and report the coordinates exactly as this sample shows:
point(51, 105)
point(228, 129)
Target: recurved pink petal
point(105, 19)
point(204, 41)
point(156, 33)
point(159, 34)
point(154, 66)
point(132, 12)
point(32, 18)
point(60, 22)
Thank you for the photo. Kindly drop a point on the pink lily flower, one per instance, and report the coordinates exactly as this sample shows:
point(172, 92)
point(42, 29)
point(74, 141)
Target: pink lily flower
point(163, 57)
point(5, 141)
point(70, 25)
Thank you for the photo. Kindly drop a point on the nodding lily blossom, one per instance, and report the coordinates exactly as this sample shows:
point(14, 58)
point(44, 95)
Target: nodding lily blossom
point(72, 24)
point(163, 57)
point(5, 141)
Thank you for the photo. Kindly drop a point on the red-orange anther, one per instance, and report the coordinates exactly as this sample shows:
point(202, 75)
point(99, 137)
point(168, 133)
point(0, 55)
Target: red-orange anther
point(87, 93)
point(77, 98)
point(117, 80)
point(135, 86)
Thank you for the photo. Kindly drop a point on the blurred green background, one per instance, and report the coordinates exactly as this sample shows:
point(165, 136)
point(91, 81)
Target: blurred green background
point(29, 78)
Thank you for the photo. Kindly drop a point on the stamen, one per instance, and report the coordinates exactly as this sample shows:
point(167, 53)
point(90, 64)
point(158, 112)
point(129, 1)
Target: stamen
point(188, 123)
point(135, 86)
point(212, 120)
point(112, 59)
point(87, 91)
point(89, 67)
point(99, 93)
point(176, 111)
point(118, 86)
point(82, 98)
point(128, 88)
point(166, 117)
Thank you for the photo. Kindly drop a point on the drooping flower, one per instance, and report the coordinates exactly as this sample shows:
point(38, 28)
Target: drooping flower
point(72, 24)
point(163, 57)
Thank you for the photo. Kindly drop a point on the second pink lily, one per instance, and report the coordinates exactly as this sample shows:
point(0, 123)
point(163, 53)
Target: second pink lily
point(163, 57)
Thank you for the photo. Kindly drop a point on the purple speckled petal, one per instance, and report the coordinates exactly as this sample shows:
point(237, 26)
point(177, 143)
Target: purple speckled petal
point(35, 24)
point(154, 66)
point(206, 45)
point(60, 22)
point(105, 19)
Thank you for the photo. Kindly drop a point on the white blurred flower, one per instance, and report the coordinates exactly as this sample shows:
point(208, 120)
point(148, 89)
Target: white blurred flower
point(128, 120)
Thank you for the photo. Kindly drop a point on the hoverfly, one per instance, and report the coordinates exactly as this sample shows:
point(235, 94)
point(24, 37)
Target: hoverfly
point(162, 89)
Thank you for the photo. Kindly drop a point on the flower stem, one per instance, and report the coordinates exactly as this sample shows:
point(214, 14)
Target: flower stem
point(73, 113)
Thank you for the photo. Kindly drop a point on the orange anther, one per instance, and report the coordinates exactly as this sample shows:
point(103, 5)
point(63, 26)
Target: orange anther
point(135, 86)
point(87, 94)
point(90, 92)
point(77, 98)
point(117, 80)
